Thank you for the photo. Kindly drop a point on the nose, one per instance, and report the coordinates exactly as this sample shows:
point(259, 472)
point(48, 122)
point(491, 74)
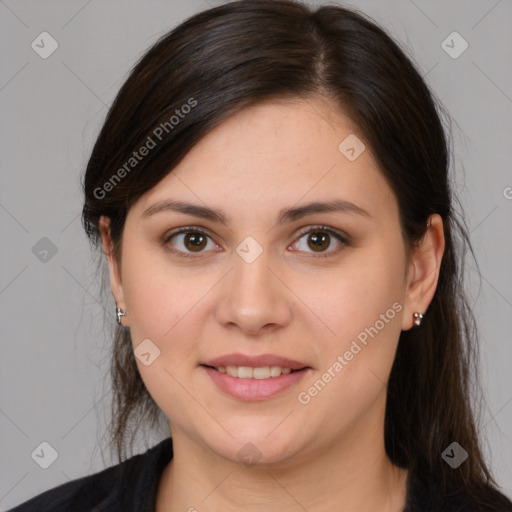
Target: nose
point(252, 299)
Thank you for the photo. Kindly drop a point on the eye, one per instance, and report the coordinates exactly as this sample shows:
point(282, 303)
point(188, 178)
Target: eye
point(188, 241)
point(318, 239)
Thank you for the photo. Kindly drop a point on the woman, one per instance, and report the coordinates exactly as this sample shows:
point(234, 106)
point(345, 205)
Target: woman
point(271, 192)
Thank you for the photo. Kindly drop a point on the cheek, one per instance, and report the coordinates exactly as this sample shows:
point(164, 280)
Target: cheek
point(164, 309)
point(357, 360)
point(362, 305)
point(158, 297)
point(366, 290)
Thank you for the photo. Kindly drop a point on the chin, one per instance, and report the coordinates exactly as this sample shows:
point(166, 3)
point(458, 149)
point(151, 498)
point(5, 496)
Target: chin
point(256, 448)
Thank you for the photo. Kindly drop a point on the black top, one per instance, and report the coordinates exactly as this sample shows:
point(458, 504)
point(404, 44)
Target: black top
point(126, 487)
point(132, 486)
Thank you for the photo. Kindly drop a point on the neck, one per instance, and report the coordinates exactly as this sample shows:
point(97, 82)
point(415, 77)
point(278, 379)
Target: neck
point(351, 475)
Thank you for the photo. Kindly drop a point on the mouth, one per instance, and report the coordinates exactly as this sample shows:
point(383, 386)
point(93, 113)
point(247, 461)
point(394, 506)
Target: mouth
point(254, 378)
point(258, 373)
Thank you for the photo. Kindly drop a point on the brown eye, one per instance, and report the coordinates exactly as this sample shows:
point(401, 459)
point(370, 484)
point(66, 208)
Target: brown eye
point(189, 241)
point(319, 241)
point(194, 241)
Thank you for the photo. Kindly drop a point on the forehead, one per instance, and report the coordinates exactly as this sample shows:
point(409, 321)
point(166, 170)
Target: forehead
point(273, 154)
point(291, 130)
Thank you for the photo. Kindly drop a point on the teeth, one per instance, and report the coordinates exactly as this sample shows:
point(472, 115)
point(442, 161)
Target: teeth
point(275, 371)
point(247, 372)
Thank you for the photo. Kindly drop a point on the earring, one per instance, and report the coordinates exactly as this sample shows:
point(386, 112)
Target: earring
point(119, 314)
point(418, 317)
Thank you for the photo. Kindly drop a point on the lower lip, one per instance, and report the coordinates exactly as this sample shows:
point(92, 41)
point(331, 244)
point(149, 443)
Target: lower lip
point(254, 389)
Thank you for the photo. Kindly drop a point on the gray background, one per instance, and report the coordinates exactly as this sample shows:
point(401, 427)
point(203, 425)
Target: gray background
point(55, 347)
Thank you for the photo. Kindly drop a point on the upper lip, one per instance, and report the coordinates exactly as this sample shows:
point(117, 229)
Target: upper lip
point(255, 361)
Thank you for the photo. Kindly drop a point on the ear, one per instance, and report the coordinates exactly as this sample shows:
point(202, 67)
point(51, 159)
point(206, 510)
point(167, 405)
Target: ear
point(116, 284)
point(423, 274)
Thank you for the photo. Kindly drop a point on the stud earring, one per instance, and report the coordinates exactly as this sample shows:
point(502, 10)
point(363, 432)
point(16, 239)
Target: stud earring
point(119, 314)
point(418, 317)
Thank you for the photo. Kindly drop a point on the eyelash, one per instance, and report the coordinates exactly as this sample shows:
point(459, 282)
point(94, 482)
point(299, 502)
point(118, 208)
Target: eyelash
point(313, 229)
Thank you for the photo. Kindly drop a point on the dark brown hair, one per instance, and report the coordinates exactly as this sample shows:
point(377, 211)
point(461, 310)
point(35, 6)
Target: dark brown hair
point(225, 59)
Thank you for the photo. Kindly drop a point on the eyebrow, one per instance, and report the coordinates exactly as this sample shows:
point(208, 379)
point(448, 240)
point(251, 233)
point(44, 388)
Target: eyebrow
point(285, 215)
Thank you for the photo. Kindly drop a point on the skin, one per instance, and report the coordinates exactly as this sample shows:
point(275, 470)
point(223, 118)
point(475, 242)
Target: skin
point(293, 301)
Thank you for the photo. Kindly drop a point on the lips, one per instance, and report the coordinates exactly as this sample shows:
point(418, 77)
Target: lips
point(254, 361)
point(252, 378)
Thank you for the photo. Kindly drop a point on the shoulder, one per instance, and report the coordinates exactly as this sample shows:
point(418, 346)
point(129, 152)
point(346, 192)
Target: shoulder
point(79, 495)
point(133, 482)
point(420, 499)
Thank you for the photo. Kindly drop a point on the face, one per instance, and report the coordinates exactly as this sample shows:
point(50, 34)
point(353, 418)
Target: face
point(265, 277)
